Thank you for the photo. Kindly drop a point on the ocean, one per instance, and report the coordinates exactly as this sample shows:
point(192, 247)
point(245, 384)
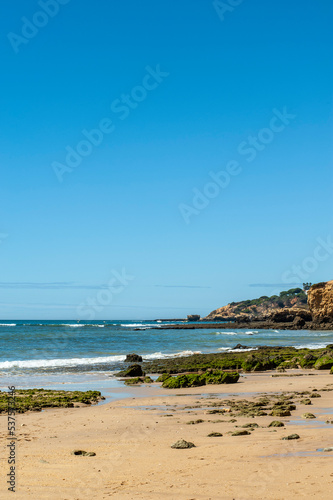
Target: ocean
point(87, 354)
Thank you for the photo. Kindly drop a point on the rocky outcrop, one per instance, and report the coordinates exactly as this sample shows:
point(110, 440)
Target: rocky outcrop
point(133, 358)
point(193, 317)
point(320, 301)
point(282, 308)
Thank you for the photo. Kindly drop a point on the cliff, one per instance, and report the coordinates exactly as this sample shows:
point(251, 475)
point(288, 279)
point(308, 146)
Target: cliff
point(320, 301)
point(289, 304)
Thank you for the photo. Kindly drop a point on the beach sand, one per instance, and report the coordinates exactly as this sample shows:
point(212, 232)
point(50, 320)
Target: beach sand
point(132, 440)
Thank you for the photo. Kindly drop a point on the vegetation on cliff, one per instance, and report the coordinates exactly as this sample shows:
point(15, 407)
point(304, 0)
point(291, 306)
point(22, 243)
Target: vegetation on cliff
point(263, 307)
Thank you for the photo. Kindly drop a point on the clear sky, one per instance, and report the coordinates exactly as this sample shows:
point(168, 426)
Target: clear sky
point(209, 168)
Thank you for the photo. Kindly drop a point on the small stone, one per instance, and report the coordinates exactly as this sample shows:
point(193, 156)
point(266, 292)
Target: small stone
point(83, 453)
point(291, 436)
point(308, 415)
point(215, 434)
point(241, 433)
point(276, 423)
point(182, 444)
point(328, 449)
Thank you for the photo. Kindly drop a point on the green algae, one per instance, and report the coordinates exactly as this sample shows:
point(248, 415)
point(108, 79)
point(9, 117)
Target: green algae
point(38, 399)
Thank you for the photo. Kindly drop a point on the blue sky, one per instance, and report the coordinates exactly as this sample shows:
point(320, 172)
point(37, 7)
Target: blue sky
point(198, 88)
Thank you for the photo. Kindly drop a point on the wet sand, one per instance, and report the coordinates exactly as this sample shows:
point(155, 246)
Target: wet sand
point(132, 438)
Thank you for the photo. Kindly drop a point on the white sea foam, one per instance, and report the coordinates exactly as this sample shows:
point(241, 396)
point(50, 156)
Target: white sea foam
point(77, 325)
point(7, 324)
point(159, 355)
point(142, 326)
point(250, 333)
point(226, 333)
point(49, 363)
point(310, 346)
point(228, 349)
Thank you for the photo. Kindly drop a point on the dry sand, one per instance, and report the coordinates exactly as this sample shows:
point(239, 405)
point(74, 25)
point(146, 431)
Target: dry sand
point(132, 439)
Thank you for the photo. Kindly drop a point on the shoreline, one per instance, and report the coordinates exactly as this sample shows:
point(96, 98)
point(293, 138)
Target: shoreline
point(132, 440)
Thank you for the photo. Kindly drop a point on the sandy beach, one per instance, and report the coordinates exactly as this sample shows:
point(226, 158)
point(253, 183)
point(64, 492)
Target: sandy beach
point(132, 440)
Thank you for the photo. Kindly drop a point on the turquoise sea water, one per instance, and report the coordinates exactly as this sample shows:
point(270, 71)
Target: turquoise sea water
point(54, 351)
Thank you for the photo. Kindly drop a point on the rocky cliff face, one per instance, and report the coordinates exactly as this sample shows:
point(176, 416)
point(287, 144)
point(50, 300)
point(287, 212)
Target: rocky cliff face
point(320, 301)
point(288, 304)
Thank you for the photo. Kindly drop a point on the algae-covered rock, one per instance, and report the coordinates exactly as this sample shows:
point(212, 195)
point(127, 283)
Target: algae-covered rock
point(280, 412)
point(220, 377)
point(163, 377)
point(134, 381)
point(133, 358)
point(306, 401)
point(249, 426)
point(331, 370)
point(132, 371)
point(324, 363)
point(181, 444)
point(148, 380)
point(276, 423)
point(193, 422)
point(291, 436)
point(215, 434)
point(196, 380)
point(315, 394)
point(240, 433)
point(308, 415)
point(184, 381)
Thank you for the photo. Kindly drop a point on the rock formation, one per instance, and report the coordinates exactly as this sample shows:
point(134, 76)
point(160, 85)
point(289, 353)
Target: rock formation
point(320, 301)
point(283, 308)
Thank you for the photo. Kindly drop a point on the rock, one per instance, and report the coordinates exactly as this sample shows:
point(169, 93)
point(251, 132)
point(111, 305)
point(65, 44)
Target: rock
point(240, 433)
point(305, 401)
point(324, 363)
point(331, 370)
point(163, 377)
point(308, 415)
point(320, 301)
point(299, 322)
point(196, 380)
point(280, 412)
point(133, 358)
point(193, 317)
point(328, 449)
point(193, 422)
point(291, 436)
point(134, 381)
point(182, 444)
point(248, 426)
point(83, 453)
point(215, 434)
point(148, 380)
point(240, 346)
point(276, 423)
point(132, 371)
